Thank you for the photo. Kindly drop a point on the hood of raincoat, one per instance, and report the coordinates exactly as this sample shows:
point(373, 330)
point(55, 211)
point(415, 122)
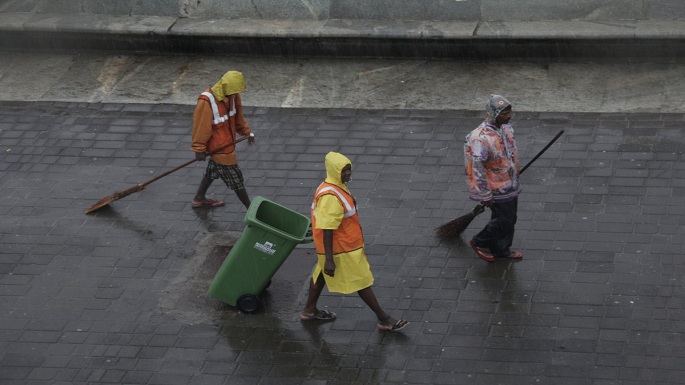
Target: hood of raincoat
point(495, 105)
point(231, 83)
point(335, 162)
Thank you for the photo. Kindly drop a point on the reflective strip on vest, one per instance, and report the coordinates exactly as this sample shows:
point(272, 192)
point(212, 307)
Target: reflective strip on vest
point(215, 109)
point(350, 210)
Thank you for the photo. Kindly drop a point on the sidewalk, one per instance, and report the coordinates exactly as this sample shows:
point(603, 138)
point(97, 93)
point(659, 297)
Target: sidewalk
point(119, 296)
point(573, 86)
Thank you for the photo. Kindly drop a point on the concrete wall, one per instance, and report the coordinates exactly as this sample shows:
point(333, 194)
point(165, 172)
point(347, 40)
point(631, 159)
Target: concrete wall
point(437, 10)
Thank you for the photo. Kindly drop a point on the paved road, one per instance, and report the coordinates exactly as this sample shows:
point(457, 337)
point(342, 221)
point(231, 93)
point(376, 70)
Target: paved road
point(119, 296)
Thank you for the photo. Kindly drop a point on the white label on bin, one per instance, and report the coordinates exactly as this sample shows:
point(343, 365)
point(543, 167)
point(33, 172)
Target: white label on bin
point(266, 247)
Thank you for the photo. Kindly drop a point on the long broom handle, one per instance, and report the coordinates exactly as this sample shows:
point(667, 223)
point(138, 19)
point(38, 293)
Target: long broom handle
point(162, 175)
point(541, 152)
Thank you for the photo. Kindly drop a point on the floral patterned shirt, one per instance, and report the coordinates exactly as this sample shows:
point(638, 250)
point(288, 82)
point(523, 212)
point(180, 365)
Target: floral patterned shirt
point(491, 161)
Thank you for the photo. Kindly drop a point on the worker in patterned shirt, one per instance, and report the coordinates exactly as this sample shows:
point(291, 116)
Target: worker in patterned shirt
point(492, 168)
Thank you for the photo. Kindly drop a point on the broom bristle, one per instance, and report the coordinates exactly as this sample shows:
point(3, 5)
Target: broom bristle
point(457, 226)
point(454, 227)
point(99, 204)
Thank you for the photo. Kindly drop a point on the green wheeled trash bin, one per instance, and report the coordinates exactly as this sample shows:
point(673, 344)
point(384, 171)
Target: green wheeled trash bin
point(271, 234)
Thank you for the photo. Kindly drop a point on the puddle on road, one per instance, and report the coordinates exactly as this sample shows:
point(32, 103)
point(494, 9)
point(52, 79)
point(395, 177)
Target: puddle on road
point(186, 298)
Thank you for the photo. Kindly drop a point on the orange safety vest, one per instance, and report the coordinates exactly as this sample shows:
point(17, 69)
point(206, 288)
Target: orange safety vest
point(348, 236)
point(222, 133)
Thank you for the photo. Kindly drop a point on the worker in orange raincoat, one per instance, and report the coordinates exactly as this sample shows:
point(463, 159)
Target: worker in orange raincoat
point(217, 120)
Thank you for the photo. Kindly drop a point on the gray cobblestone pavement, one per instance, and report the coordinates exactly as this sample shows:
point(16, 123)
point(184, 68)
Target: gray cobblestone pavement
point(119, 296)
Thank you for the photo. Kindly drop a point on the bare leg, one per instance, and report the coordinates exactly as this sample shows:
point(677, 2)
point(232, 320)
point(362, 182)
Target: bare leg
point(369, 297)
point(315, 289)
point(385, 321)
point(244, 198)
point(202, 189)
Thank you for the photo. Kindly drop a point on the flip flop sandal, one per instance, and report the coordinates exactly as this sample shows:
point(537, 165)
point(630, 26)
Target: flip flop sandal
point(322, 315)
point(482, 253)
point(515, 255)
point(208, 203)
point(397, 326)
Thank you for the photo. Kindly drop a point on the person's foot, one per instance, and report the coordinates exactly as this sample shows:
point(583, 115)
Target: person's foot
point(207, 203)
point(321, 315)
point(483, 253)
point(515, 254)
point(392, 325)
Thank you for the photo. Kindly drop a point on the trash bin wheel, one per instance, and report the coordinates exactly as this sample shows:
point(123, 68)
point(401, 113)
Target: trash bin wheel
point(248, 303)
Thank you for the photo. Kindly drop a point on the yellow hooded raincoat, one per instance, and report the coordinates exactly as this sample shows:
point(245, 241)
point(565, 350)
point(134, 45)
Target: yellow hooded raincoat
point(334, 209)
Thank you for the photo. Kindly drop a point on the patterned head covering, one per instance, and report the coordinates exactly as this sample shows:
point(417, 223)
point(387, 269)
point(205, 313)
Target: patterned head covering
point(494, 106)
point(231, 83)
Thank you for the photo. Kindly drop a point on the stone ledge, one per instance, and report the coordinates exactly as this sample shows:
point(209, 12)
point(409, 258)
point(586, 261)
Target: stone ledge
point(389, 10)
point(583, 30)
point(30, 22)
point(343, 38)
point(340, 28)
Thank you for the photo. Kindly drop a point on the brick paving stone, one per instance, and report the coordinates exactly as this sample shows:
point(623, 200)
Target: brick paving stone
point(596, 299)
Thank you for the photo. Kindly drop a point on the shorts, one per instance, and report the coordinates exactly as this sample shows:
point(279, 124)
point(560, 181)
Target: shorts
point(230, 174)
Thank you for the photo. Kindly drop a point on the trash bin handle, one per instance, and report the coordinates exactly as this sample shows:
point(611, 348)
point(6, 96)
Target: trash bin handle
point(309, 237)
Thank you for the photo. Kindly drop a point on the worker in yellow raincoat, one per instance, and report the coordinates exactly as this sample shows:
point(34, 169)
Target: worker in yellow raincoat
point(339, 242)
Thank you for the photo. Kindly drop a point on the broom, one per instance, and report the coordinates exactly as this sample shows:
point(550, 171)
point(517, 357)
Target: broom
point(457, 226)
point(140, 186)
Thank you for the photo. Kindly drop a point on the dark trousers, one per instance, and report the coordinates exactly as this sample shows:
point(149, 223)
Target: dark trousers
point(498, 234)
